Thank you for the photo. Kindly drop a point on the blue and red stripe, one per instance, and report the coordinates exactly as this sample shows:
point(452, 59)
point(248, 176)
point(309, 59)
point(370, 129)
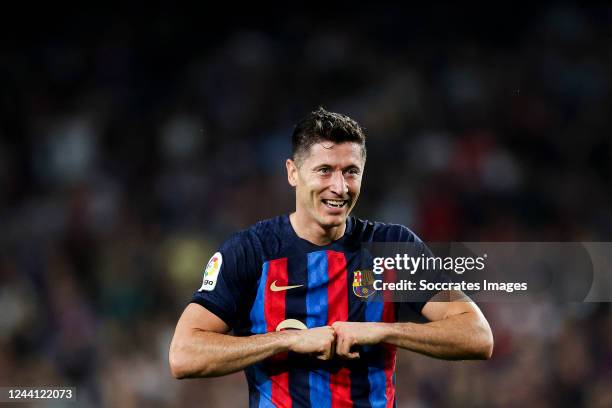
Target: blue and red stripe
point(316, 316)
point(267, 312)
point(327, 285)
point(295, 308)
point(338, 296)
point(381, 374)
point(325, 300)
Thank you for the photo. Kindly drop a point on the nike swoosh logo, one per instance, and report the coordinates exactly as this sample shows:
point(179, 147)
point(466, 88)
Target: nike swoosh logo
point(275, 288)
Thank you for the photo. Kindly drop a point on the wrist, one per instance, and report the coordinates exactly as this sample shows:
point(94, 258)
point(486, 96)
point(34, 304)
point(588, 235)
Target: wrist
point(287, 339)
point(387, 332)
point(382, 332)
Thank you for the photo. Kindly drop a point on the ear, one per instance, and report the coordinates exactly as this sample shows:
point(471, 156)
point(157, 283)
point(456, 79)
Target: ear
point(292, 172)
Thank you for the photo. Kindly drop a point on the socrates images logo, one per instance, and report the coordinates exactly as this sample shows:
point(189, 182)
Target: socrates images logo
point(211, 273)
point(363, 283)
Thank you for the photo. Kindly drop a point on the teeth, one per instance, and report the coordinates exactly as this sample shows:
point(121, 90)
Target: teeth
point(335, 203)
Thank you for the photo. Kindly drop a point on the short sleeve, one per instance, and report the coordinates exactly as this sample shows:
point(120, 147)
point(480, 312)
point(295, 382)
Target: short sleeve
point(228, 278)
point(416, 300)
point(430, 275)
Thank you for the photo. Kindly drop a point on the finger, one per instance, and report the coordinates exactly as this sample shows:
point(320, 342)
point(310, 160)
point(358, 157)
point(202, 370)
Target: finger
point(327, 351)
point(350, 353)
point(343, 348)
point(327, 354)
point(324, 355)
point(331, 346)
point(339, 342)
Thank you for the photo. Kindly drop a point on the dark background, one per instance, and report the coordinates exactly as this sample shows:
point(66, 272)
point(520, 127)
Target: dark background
point(133, 140)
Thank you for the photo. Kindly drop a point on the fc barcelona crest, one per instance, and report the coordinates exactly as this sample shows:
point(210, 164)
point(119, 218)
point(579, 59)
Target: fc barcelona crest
point(363, 283)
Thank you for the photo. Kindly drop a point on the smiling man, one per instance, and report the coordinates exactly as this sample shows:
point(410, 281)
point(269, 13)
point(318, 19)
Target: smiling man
point(285, 288)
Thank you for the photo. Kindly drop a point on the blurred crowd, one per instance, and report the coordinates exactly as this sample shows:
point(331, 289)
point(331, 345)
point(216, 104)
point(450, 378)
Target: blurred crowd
point(130, 148)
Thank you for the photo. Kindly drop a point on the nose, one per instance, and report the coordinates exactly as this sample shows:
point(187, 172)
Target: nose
point(338, 184)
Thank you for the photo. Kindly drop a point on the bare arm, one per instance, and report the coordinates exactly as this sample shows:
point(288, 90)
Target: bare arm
point(457, 331)
point(201, 346)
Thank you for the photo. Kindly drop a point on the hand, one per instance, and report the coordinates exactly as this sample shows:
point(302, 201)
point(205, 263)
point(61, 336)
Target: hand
point(318, 341)
point(349, 334)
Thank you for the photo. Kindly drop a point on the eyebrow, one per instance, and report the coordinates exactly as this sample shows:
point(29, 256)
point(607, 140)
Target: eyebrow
point(350, 166)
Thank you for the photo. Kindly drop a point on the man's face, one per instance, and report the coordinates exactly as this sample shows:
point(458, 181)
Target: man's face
point(327, 181)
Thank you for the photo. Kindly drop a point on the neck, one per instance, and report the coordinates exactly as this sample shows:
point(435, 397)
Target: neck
point(313, 232)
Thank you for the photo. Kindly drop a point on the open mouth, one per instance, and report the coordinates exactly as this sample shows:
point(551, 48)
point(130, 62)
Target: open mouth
point(335, 203)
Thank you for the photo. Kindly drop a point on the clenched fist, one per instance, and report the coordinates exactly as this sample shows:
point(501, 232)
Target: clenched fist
point(318, 341)
point(349, 334)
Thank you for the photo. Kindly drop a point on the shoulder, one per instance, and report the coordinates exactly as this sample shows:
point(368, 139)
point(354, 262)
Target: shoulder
point(373, 231)
point(256, 239)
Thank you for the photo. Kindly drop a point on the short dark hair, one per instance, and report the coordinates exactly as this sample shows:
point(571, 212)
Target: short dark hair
point(321, 125)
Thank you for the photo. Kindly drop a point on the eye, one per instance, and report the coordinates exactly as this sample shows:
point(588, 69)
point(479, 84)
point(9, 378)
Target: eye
point(352, 171)
point(324, 171)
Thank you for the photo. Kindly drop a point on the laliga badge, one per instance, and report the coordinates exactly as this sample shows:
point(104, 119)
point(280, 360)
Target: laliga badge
point(211, 272)
point(363, 283)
